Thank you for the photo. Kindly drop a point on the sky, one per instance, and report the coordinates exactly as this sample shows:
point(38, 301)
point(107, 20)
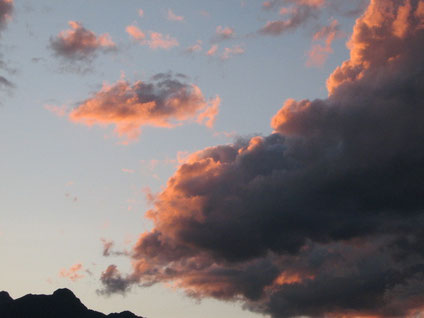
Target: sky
point(214, 158)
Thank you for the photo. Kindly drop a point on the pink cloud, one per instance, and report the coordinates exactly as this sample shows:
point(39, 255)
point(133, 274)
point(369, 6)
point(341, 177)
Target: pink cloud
point(155, 41)
point(212, 51)
point(229, 52)
point(135, 33)
point(165, 102)
point(195, 47)
point(6, 8)
point(224, 33)
point(73, 273)
point(173, 17)
point(80, 43)
point(160, 41)
point(140, 12)
point(319, 53)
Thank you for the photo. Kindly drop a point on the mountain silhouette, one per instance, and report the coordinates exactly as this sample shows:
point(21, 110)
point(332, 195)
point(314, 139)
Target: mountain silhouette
point(62, 304)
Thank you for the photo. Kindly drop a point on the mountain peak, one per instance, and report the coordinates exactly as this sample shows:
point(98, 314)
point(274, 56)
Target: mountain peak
point(64, 292)
point(62, 303)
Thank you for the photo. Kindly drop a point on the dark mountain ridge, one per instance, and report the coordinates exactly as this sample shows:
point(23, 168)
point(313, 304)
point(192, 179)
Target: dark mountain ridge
point(62, 304)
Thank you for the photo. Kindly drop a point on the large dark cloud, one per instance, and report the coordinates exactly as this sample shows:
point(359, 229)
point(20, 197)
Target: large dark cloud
point(324, 217)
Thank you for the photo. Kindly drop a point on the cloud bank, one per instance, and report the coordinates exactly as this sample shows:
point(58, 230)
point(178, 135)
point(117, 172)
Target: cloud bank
point(322, 218)
point(166, 101)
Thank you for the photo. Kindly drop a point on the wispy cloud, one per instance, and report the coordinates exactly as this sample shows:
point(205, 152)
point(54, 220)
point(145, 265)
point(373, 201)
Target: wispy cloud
point(173, 17)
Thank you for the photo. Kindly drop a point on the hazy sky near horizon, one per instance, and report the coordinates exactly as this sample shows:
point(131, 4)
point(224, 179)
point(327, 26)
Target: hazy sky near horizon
point(77, 173)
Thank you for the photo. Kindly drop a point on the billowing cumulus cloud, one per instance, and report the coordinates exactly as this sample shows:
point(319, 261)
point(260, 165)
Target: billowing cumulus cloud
point(166, 101)
point(78, 43)
point(324, 217)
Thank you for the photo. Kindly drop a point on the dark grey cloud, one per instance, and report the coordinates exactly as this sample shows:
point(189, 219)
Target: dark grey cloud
point(322, 218)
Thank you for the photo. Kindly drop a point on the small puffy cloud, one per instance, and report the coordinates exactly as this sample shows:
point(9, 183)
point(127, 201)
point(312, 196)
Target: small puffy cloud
point(166, 101)
point(73, 273)
point(160, 41)
point(6, 8)
point(113, 282)
point(173, 17)
point(78, 43)
point(135, 33)
point(197, 47)
point(140, 12)
point(229, 52)
point(155, 40)
point(224, 33)
point(213, 50)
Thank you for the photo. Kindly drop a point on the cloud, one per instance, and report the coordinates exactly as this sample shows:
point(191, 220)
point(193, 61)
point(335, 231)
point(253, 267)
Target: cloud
point(73, 273)
point(108, 249)
point(135, 33)
point(319, 53)
point(157, 40)
point(140, 12)
point(166, 101)
point(78, 43)
point(229, 52)
point(160, 41)
point(212, 51)
point(114, 283)
point(298, 16)
point(322, 218)
point(194, 48)
point(173, 17)
point(6, 9)
point(224, 33)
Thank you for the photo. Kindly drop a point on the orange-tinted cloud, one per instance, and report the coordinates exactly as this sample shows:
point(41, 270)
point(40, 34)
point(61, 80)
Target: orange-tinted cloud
point(229, 52)
point(156, 40)
point(78, 43)
point(322, 218)
point(73, 273)
point(135, 33)
point(378, 41)
point(212, 51)
point(173, 17)
point(319, 53)
point(164, 102)
point(224, 33)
